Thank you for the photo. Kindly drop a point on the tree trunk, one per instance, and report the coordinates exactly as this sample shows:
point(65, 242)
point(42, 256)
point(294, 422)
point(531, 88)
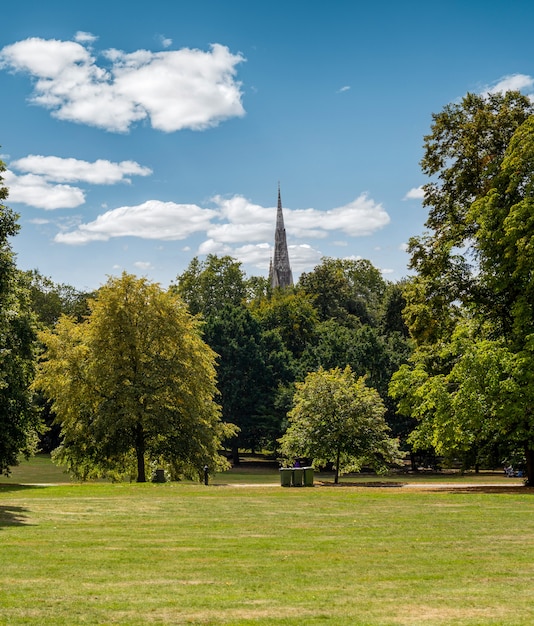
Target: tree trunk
point(140, 453)
point(338, 454)
point(529, 456)
point(235, 454)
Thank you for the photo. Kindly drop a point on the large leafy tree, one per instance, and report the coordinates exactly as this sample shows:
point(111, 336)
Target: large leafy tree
point(393, 304)
point(349, 291)
point(474, 267)
point(337, 418)
point(463, 411)
point(49, 301)
point(207, 285)
point(19, 423)
point(464, 157)
point(250, 366)
point(250, 355)
point(292, 314)
point(368, 352)
point(133, 383)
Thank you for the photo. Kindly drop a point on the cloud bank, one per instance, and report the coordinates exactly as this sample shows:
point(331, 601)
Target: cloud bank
point(233, 226)
point(41, 183)
point(172, 89)
point(228, 225)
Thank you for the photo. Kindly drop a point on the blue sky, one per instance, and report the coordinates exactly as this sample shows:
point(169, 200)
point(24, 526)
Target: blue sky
point(139, 135)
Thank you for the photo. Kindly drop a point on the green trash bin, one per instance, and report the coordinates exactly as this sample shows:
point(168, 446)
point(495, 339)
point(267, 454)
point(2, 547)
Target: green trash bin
point(285, 476)
point(308, 476)
point(298, 476)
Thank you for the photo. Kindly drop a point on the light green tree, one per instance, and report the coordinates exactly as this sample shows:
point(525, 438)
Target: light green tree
point(478, 157)
point(134, 383)
point(336, 418)
point(463, 411)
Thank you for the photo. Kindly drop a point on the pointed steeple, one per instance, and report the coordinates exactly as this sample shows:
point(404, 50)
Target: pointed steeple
point(280, 274)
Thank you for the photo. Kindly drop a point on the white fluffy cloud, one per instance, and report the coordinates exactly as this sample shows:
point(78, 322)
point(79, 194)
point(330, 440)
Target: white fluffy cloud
point(415, 193)
point(37, 192)
point(151, 220)
point(244, 220)
point(42, 183)
point(166, 42)
point(60, 170)
point(234, 226)
point(143, 265)
point(363, 216)
point(84, 37)
point(302, 256)
point(241, 220)
point(513, 82)
point(174, 89)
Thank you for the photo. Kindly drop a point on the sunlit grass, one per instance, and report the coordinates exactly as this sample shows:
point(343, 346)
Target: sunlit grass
point(183, 553)
point(38, 469)
point(256, 470)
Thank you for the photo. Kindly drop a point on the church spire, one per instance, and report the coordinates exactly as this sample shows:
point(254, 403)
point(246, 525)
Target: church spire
point(280, 271)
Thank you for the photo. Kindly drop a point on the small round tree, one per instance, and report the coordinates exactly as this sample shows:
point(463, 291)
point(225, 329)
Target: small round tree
point(336, 418)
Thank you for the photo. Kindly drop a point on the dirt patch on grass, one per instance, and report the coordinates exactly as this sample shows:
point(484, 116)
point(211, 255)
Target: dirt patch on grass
point(489, 489)
point(383, 484)
point(216, 616)
point(499, 488)
point(424, 615)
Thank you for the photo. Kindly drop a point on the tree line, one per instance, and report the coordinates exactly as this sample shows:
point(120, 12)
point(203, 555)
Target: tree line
point(343, 368)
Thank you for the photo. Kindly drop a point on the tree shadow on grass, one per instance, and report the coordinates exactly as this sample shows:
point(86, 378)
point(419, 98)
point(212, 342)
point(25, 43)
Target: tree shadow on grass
point(5, 487)
point(474, 489)
point(377, 484)
point(12, 516)
point(518, 490)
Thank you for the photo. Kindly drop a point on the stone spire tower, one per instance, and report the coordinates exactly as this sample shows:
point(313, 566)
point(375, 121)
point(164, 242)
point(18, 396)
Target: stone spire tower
point(280, 271)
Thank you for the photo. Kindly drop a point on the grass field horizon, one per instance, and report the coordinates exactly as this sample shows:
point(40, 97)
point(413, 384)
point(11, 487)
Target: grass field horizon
point(262, 469)
point(238, 554)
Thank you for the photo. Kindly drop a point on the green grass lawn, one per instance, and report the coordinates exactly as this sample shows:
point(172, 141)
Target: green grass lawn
point(184, 553)
point(257, 470)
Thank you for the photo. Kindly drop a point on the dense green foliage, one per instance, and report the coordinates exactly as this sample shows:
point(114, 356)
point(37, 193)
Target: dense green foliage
point(452, 346)
point(250, 366)
point(207, 285)
point(252, 360)
point(342, 313)
point(132, 384)
point(470, 307)
point(345, 290)
point(50, 301)
point(264, 341)
point(292, 314)
point(19, 423)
